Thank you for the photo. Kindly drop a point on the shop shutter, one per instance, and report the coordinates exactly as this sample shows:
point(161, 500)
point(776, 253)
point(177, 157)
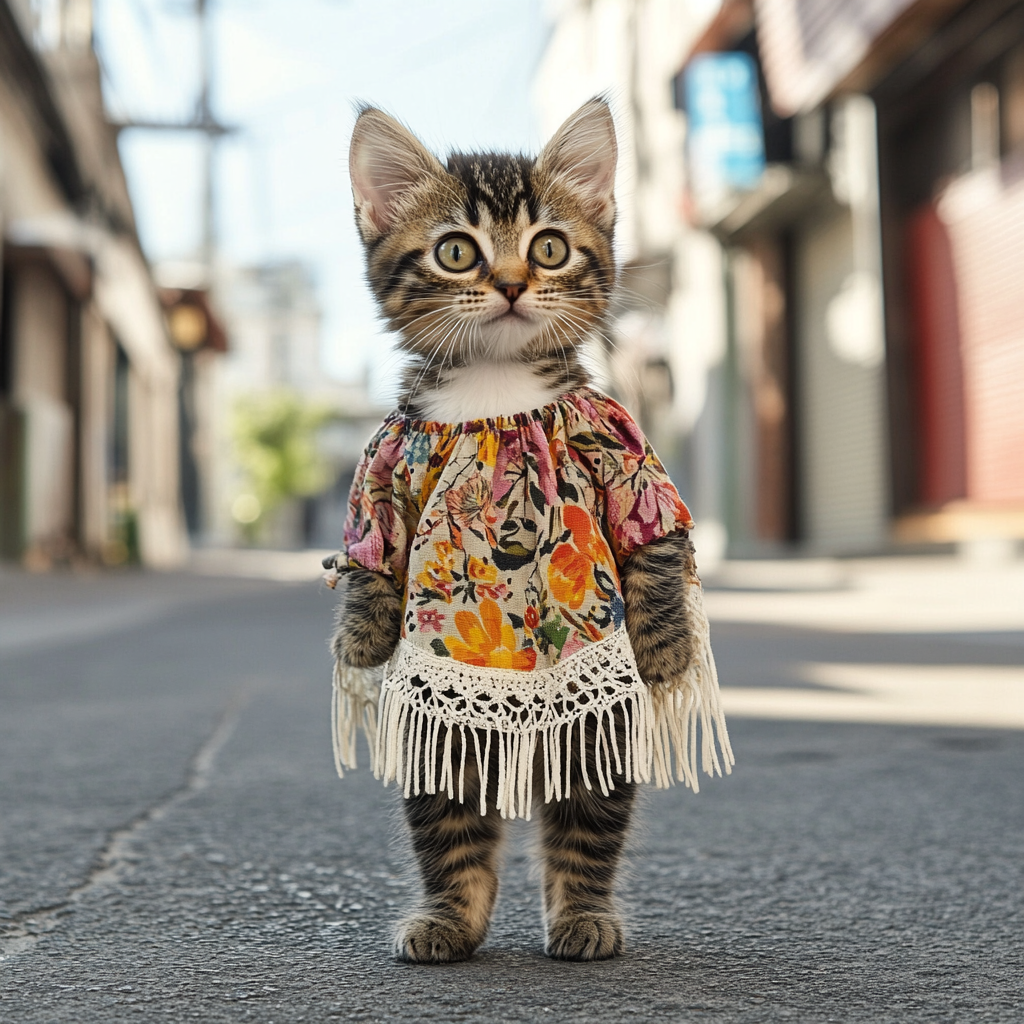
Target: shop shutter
point(939, 377)
point(984, 215)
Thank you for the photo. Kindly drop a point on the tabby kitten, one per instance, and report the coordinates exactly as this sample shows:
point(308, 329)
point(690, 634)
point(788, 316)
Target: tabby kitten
point(493, 270)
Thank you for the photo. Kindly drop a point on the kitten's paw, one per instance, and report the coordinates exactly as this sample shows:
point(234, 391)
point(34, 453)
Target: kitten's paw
point(585, 937)
point(424, 939)
point(369, 620)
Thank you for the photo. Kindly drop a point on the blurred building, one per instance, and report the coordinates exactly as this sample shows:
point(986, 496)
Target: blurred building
point(837, 211)
point(88, 378)
point(274, 319)
point(876, 342)
point(669, 328)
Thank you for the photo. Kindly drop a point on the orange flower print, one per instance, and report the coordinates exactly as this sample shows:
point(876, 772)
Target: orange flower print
point(480, 572)
point(487, 642)
point(485, 576)
point(570, 572)
point(531, 618)
point(487, 448)
point(581, 526)
point(437, 573)
point(571, 569)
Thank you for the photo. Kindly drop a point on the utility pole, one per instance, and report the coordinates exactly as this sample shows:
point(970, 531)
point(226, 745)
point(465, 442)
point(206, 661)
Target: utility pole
point(206, 124)
point(211, 130)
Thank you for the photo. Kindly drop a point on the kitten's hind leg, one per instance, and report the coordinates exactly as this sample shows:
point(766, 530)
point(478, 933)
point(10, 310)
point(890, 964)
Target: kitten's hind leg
point(457, 851)
point(582, 838)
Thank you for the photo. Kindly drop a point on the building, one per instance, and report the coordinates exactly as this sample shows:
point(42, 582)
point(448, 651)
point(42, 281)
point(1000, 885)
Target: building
point(669, 326)
point(876, 340)
point(88, 377)
point(823, 243)
point(273, 316)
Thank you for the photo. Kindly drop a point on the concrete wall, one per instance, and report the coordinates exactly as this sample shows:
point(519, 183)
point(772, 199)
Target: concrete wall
point(116, 300)
point(95, 427)
point(39, 320)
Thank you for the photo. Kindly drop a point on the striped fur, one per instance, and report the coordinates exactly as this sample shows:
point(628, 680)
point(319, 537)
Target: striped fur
point(453, 328)
point(407, 202)
point(582, 838)
point(657, 581)
point(457, 852)
point(369, 620)
point(581, 844)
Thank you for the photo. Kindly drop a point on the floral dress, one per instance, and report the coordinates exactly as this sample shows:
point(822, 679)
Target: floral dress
point(506, 537)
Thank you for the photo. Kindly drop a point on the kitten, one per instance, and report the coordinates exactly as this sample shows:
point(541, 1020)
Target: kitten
point(494, 270)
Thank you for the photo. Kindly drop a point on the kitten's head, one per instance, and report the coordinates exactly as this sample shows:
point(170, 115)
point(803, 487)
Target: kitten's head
point(495, 256)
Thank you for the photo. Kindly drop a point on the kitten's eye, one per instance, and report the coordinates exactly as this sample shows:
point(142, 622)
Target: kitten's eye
point(549, 250)
point(457, 253)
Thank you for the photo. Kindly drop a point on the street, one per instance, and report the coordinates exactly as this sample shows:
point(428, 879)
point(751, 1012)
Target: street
point(175, 844)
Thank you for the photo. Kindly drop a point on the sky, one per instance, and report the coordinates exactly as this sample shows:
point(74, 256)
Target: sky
point(288, 73)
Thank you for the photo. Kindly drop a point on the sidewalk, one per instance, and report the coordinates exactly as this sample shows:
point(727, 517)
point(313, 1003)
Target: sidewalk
point(922, 599)
point(175, 834)
point(930, 594)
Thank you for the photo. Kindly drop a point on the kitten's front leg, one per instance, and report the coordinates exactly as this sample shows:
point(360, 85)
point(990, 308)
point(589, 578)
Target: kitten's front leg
point(657, 583)
point(369, 620)
point(457, 851)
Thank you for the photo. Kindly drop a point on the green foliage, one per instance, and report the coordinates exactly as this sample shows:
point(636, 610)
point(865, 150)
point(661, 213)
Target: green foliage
point(275, 447)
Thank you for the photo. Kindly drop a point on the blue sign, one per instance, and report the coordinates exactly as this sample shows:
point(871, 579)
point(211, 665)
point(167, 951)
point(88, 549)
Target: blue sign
point(725, 137)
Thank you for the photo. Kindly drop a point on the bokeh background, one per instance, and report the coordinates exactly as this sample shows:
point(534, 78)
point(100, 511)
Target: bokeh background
point(821, 328)
point(821, 236)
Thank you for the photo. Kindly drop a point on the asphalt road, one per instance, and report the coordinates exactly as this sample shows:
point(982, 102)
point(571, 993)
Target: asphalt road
point(174, 844)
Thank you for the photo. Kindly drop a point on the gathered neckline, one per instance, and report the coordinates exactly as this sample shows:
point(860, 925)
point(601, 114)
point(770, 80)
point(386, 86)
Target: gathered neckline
point(509, 421)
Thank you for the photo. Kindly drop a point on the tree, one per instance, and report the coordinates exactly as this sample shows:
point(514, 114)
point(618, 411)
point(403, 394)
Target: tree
point(275, 446)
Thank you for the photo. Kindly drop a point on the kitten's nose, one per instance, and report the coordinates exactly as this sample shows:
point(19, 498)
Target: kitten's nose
point(511, 289)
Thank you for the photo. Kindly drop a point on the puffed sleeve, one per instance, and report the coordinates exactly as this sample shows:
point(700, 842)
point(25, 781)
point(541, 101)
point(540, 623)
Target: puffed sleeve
point(641, 503)
point(375, 537)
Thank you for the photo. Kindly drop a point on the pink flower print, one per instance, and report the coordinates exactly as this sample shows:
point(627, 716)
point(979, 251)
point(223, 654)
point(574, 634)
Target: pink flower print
point(390, 451)
point(472, 505)
point(647, 506)
point(627, 531)
point(624, 427)
point(369, 552)
point(510, 456)
point(571, 646)
point(537, 443)
point(430, 620)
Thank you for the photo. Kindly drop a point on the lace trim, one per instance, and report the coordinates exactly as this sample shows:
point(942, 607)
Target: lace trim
point(425, 700)
point(518, 710)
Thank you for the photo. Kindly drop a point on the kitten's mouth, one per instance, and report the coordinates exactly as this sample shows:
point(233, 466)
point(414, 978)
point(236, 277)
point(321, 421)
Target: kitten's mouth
point(512, 313)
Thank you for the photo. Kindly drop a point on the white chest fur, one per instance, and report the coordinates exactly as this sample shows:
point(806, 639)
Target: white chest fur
point(486, 390)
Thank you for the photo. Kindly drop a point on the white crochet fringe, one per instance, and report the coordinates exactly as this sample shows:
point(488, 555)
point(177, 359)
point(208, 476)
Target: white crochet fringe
point(410, 727)
point(354, 698)
point(681, 702)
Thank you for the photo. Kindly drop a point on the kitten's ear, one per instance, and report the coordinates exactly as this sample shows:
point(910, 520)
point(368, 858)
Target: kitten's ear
point(583, 151)
point(384, 159)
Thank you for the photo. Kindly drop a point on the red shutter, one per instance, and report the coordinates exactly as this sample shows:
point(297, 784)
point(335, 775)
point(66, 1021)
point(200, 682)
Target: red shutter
point(939, 381)
point(967, 293)
point(987, 230)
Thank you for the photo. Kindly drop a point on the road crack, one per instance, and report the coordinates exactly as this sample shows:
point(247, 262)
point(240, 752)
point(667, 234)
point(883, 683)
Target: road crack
point(23, 930)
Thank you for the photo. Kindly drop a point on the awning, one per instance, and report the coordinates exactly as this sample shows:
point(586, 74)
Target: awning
point(813, 49)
